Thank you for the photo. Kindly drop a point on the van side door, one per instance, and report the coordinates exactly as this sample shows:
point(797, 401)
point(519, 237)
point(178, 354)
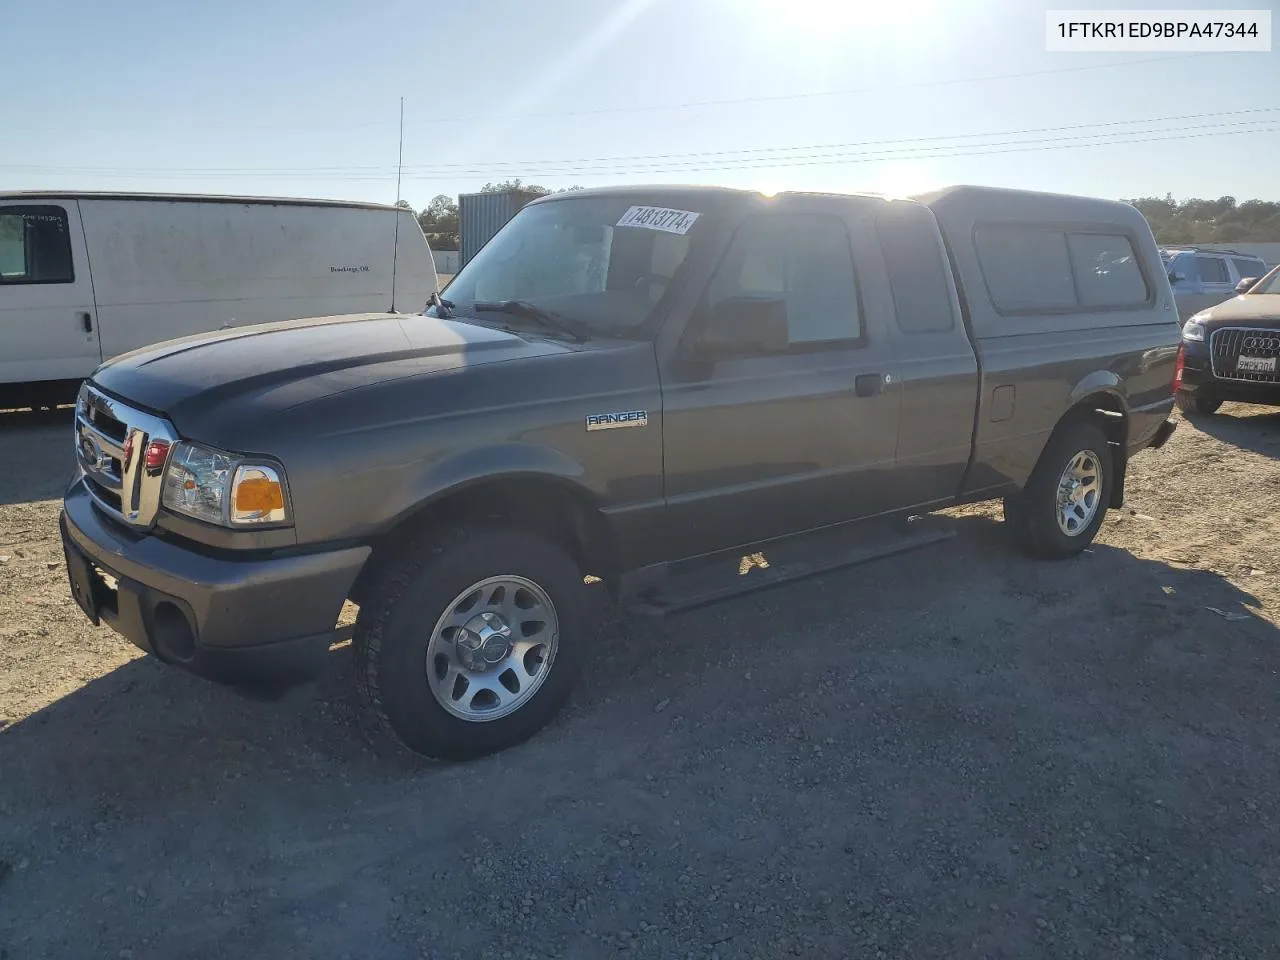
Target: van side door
point(48, 326)
point(936, 366)
point(770, 442)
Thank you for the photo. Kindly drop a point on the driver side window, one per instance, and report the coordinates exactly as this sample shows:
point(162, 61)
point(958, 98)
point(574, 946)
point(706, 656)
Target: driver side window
point(805, 260)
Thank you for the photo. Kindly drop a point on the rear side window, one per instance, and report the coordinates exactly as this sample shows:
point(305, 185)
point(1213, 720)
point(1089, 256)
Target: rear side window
point(918, 275)
point(1250, 268)
point(1213, 270)
point(1028, 269)
point(35, 245)
point(803, 259)
point(1106, 270)
point(1042, 269)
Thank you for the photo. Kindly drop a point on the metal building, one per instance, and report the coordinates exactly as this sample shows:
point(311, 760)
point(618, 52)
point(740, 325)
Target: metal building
point(481, 215)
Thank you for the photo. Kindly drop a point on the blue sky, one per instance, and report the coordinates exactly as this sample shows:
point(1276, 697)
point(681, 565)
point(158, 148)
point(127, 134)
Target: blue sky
point(301, 98)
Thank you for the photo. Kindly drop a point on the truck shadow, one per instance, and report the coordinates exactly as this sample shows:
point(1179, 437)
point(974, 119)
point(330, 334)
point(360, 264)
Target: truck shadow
point(159, 722)
point(981, 658)
point(1249, 426)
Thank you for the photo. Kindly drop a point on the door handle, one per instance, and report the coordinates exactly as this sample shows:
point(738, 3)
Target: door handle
point(86, 319)
point(869, 384)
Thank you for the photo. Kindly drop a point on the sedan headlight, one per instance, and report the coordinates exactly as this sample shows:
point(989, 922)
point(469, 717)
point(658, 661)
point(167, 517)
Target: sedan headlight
point(223, 489)
point(1193, 330)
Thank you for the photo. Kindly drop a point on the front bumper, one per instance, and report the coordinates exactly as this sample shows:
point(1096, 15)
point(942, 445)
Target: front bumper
point(1203, 383)
point(1198, 378)
point(227, 618)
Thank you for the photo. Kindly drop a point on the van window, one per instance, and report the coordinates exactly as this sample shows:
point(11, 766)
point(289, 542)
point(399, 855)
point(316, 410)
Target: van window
point(918, 276)
point(806, 260)
point(1250, 268)
point(1213, 270)
point(35, 245)
point(1107, 271)
point(1027, 268)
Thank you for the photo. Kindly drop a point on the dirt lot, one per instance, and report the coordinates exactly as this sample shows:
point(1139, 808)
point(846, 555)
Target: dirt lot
point(955, 753)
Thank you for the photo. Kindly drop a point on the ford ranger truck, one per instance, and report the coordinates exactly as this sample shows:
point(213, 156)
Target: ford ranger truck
point(622, 389)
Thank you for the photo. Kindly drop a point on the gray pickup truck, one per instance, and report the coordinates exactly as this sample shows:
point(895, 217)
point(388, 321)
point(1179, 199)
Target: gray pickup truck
point(632, 390)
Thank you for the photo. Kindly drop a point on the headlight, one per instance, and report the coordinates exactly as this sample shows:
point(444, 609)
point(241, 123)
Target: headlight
point(223, 489)
point(1192, 330)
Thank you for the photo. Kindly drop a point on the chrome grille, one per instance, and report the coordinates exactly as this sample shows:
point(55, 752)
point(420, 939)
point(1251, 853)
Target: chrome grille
point(1228, 344)
point(112, 439)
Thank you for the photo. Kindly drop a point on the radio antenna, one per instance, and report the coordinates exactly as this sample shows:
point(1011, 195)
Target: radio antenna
point(395, 249)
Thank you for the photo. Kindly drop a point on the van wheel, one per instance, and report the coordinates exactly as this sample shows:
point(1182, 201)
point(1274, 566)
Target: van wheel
point(472, 641)
point(1062, 507)
point(1194, 403)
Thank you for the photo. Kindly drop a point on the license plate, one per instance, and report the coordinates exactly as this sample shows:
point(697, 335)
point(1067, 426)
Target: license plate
point(1256, 364)
point(83, 581)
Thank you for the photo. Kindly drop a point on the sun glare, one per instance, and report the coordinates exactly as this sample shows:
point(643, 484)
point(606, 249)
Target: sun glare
point(834, 19)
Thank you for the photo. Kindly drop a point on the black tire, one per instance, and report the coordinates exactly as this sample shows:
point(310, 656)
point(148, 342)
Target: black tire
point(409, 596)
point(1194, 403)
point(1032, 514)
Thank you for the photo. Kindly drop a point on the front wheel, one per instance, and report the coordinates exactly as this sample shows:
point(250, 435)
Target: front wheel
point(1194, 403)
point(472, 641)
point(1062, 507)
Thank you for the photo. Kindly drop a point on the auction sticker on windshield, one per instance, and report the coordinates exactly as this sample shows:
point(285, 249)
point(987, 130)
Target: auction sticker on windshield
point(659, 218)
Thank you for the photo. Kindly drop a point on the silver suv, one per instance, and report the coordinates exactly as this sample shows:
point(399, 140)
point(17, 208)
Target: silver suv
point(1204, 278)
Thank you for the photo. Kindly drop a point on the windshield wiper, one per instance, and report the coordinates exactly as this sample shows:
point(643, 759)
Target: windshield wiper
point(443, 307)
point(528, 311)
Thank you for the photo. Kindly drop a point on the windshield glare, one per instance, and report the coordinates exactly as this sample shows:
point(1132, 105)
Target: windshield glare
point(571, 257)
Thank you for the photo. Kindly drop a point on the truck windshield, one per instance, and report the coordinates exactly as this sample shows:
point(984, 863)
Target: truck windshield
point(602, 264)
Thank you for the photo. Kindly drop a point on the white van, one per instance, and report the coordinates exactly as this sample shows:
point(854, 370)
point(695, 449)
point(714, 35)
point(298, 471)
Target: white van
point(87, 276)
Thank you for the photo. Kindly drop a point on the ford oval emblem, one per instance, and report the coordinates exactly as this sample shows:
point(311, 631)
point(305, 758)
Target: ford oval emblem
point(93, 454)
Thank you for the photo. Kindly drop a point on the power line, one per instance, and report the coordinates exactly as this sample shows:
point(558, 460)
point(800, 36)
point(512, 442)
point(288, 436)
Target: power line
point(638, 108)
point(782, 97)
point(677, 164)
point(679, 158)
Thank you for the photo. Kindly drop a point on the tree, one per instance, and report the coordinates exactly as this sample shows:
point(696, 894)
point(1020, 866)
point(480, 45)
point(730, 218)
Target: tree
point(1210, 221)
point(507, 186)
point(439, 221)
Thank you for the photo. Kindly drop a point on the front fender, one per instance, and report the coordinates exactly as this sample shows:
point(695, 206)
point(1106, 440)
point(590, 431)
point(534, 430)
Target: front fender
point(503, 461)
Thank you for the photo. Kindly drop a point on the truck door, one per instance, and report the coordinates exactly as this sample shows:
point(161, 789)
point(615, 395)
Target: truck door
point(935, 362)
point(771, 442)
point(48, 330)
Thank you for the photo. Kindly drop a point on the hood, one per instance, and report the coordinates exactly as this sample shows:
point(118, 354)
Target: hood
point(268, 368)
point(1261, 309)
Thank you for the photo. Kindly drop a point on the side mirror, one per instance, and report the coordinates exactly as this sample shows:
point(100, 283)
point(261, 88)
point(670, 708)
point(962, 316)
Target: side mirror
point(743, 327)
point(1245, 285)
point(1176, 276)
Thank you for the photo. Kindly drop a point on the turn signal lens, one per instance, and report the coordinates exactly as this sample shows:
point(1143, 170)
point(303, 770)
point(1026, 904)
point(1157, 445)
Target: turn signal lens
point(1178, 366)
point(257, 495)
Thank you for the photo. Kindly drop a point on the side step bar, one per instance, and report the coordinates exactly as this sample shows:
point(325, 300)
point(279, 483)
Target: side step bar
point(690, 584)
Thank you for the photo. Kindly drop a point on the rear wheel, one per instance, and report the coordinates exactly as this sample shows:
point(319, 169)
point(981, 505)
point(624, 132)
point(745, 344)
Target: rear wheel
point(1194, 403)
point(1062, 507)
point(472, 641)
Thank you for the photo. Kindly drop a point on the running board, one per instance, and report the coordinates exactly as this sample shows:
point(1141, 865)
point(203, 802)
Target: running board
point(690, 584)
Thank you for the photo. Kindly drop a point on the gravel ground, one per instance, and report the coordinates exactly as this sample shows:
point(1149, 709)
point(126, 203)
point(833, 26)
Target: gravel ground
point(954, 753)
